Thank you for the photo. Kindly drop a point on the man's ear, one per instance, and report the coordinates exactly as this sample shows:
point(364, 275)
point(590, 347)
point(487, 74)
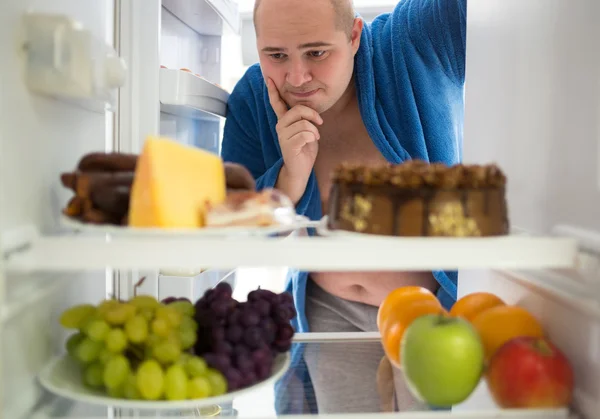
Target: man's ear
point(356, 33)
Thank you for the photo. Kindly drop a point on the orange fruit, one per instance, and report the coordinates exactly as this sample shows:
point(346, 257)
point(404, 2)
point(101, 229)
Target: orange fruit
point(397, 321)
point(400, 297)
point(469, 306)
point(499, 324)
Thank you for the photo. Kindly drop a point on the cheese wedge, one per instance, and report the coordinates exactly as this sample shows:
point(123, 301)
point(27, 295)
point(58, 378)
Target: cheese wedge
point(173, 183)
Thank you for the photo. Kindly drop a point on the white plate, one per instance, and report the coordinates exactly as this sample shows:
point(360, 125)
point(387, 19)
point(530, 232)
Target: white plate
point(62, 377)
point(115, 230)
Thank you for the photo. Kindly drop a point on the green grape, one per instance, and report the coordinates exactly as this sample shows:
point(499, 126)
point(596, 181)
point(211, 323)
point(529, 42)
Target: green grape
point(187, 338)
point(195, 367)
point(175, 383)
point(150, 380)
point(105, 355)
point(161, 327)
point(147, 313)
point(198, 388)
point(73, 342)
point(217, 382)
point(76, 316)
point(117, 392)
point(116, 340)
point(106, 305)
point(167, 351)
point(149, 345)
point(136, 329)
point(144, 302)
point(130, 389)
point(184, 307)
point(172, 316)
point(116, 371)
point(96, 330)
point(88, 350)
point(189, 323)
point(118, 314)
point(93, 375)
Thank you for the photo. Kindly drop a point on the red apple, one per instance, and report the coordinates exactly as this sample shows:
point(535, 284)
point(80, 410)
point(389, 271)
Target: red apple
point(530, 372)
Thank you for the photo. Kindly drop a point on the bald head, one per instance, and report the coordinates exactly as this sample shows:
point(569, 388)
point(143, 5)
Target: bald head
point(343, 10)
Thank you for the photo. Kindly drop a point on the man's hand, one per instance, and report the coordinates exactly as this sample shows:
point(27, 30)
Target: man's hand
point(298, 138)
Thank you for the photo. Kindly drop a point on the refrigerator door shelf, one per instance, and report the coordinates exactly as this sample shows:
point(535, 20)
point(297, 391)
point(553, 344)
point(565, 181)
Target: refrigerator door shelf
point(305, 253)
point(206, 17)
point(188, 95)
point(62, 59)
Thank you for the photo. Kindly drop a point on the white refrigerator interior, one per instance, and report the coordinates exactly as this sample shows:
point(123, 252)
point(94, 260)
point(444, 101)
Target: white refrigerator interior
point(532, 106)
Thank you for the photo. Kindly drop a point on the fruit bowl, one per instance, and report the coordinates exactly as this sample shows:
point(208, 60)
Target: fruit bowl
point(62, 377)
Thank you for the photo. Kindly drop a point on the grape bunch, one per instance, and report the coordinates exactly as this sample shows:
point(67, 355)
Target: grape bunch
point(140, 349)
point(241, 339)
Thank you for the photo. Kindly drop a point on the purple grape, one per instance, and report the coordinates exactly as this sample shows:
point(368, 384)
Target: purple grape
point(234, 379)
point(285, 298)
point(187, 300)
point(219, 308)
point(285, 332)
point(262, 371)
point(262, 356)
point(268, 329)
point(262, 307)
point(249, 378)
point(217, 334)
point(168, 300)
point(250, 317)
point(223, 348)
point(282, 345)
point(218, 361)
point(293, 312)
point(254, 295)
point(253, 337)
point(281, 314)
point(240, 349)
point(224, 289)
point(209, 296)
point(243, 362)
point(234, 334)
point(235, 317)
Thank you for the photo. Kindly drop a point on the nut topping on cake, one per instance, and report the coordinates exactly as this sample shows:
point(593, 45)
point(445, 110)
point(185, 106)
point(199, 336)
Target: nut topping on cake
point(417, 173)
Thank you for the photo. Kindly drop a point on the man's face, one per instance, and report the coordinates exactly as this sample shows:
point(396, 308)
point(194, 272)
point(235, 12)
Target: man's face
point(309, 59)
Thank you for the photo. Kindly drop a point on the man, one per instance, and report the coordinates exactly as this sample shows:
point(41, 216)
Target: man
point(330, 88)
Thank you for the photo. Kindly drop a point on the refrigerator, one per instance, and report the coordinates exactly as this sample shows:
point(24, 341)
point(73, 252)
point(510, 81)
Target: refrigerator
point(102, 75)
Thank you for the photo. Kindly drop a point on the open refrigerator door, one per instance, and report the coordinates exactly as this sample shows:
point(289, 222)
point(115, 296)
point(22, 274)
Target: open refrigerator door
point(54, 111)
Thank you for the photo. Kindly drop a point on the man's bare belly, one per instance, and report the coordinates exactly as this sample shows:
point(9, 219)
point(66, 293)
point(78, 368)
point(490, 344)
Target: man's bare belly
point(370, 287)
point(347, 140)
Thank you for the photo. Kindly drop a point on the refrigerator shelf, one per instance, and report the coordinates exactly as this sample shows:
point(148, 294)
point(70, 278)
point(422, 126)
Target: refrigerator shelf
point(335, 253)
point(260, 402)
point(206, 17)
point(185, 94)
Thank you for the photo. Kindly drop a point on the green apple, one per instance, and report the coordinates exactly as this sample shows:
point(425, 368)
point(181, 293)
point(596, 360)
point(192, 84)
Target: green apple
point(442, 359)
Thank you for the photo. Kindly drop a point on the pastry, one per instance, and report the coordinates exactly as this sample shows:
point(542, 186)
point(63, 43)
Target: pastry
point(265, 208)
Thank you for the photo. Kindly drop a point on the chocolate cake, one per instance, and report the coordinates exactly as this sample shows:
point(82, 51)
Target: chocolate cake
point(416, 198)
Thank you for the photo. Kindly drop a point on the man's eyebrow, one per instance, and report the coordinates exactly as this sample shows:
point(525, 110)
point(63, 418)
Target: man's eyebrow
point(272, 49)
point(317, 44)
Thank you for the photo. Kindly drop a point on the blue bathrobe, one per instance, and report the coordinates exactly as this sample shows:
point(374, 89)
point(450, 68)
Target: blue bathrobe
point(409, 75)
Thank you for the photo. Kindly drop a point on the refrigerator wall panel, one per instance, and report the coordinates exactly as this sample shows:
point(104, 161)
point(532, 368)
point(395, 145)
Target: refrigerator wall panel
point(533, 106)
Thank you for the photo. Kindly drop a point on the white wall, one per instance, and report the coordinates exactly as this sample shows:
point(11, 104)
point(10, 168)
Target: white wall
point(533, 106)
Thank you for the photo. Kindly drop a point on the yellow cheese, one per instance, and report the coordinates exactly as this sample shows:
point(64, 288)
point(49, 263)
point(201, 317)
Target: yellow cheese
point(172, 185)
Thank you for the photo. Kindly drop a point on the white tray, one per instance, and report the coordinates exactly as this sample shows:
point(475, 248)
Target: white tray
point(62, 377)
point(125, 231)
